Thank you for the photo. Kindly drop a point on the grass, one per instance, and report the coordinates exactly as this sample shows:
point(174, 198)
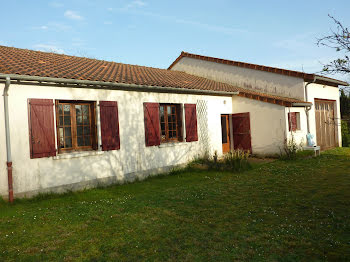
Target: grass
point(279, 211)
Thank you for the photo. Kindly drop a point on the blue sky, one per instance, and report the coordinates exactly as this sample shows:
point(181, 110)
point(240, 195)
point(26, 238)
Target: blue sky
point(153, 33)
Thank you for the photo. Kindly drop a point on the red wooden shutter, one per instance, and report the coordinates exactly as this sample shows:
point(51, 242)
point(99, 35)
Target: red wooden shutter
point(241, 131)
point(179, 122)
point(152, 124)
point(109, 125)
point(191, 122)
point(41, 128)
point(292, 121)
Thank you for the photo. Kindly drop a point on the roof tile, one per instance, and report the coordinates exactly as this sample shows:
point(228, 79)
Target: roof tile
point(37, 63)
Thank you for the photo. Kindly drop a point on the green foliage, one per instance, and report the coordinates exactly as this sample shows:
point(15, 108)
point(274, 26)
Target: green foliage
point(344, 104)
point(345, 132)
point(290, 149)
point(237, 160)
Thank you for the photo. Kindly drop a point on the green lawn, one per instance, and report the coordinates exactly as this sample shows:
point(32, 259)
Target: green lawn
point(280, 211)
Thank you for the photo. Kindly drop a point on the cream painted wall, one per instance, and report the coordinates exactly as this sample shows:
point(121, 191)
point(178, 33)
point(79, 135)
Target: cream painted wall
point(268, 83)
point(299, 136)
point(124, 164)
point(3, 169)
point(314, 91)
point(261, 81)
point(324, 92)
point(267, 124)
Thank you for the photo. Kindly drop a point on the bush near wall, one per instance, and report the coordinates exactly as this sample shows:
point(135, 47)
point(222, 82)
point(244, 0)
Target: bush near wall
point(345, 132)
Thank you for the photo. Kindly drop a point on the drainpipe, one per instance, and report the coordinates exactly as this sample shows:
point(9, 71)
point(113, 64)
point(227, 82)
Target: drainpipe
point(308, 108)
point(8, 140)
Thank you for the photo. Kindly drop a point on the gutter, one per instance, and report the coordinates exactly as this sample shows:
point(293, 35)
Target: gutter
point(307, 109)
point(8, 140)
point(301, 104)
point(117, 86)
point(83, 84)
point(321, 78)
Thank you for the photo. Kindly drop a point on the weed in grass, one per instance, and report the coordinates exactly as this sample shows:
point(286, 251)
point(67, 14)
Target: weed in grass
point(237, 160)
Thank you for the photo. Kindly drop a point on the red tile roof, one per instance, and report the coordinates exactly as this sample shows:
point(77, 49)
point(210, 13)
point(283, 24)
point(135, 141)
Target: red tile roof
point(41, 64)
point(305, 76)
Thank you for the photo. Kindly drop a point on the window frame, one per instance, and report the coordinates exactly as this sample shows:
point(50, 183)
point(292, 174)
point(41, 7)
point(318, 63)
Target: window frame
point(92, 124)
point(178, 122)
point(297, 122)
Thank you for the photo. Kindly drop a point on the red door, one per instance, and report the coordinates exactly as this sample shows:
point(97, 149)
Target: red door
point(241, 131)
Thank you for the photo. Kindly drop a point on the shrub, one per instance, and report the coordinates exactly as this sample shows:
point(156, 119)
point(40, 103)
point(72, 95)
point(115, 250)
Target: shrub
point(290, 149)
point(237, 160)
point(345, 133)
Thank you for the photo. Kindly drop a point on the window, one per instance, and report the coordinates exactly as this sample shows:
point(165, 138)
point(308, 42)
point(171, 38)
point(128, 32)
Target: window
point(170, 122)
point(294, 121)
point(75, 125)
point(163, 123)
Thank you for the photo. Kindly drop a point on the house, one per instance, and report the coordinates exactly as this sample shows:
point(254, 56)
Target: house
point(317, 112)
point(71, 122)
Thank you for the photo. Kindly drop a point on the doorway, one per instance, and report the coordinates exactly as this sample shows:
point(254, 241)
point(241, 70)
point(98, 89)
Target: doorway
point(235, 131)
point(326, 128)
point(225, 131)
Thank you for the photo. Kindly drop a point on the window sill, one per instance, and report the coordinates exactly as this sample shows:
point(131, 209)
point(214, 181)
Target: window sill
point(172, 144)
point(299, 131)
point(77, 154)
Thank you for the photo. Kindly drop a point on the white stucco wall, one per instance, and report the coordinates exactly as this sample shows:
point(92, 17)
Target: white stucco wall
point(299, 136)
point(324, 92)
point(124, 164)
point(3, 169)
point(261, 81)
point(267, 124)
point(315, 91)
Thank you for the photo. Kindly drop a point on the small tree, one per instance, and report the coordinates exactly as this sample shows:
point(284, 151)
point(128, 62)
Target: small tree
point(340, 41)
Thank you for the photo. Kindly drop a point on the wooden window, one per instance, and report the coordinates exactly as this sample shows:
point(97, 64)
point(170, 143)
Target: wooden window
point(294, 121)
point(76, 127)
point(170, 116)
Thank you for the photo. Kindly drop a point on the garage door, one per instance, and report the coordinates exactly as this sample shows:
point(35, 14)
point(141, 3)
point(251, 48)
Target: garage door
point(325, 124)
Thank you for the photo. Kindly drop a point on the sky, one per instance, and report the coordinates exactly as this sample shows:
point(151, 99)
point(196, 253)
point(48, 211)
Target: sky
point(153, 33)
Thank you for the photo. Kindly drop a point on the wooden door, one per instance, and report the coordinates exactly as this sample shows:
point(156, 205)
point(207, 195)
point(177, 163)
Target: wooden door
point(241, 131)
point(325, 124)
point(225, 131)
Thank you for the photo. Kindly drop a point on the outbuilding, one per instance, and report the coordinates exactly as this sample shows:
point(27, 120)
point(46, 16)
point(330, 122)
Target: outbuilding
point(317, 112)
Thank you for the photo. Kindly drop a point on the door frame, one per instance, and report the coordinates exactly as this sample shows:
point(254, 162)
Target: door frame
point(335, 116)
point(229, 133)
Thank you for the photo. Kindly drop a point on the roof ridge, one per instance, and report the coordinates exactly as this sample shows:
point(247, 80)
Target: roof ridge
point(224, 59)
point(270, 69)
point(82, 57)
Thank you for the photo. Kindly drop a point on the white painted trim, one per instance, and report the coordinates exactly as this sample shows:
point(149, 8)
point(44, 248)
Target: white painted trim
point(171, 144)
point(77, 154)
